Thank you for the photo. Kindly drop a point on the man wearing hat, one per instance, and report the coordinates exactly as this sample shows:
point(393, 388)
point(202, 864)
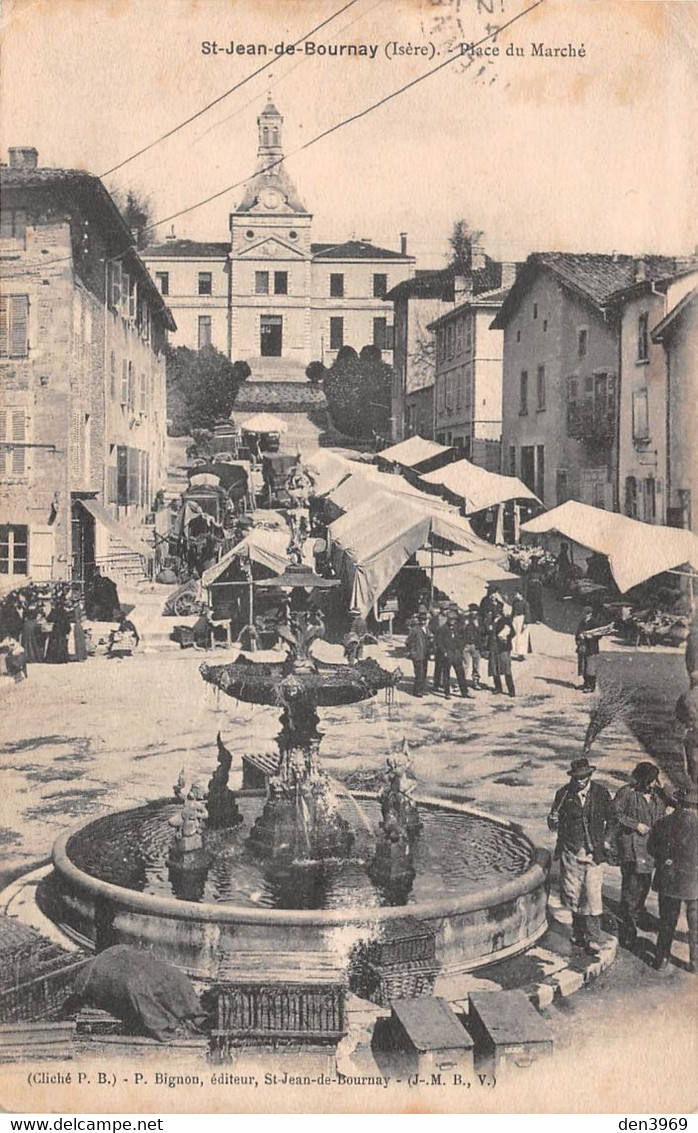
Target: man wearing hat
point(639, 805)
point(438, 621)
point(582, 815)
point(418, 647)
point(472, 638)
point(449, 642)
point(674, 845)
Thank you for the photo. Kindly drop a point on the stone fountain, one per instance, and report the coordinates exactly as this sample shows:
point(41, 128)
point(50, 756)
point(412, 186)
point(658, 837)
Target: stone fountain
point(282, 880)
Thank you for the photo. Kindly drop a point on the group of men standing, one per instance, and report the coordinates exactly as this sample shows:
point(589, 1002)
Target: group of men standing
point(651, 834)
point(458, 640)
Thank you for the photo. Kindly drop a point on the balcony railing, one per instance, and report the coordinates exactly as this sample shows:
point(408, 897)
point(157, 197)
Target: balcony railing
point(591, 422)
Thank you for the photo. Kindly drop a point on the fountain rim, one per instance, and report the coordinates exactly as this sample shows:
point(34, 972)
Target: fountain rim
point(208, 912)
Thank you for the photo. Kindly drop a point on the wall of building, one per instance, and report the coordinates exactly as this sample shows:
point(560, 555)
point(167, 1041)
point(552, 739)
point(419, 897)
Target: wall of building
point(643, 406)
point(468, 384)
point(36, 481)
point(419, 413)
point(544, 331)
point(187, 305)
point(682, 363)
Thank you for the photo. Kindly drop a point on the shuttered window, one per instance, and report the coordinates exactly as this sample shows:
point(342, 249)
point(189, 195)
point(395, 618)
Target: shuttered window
point(13, 432)
point(14, 326)
point(124, 382)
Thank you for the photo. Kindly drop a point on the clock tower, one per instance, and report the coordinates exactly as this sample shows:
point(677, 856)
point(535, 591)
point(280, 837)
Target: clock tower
point(271, 264)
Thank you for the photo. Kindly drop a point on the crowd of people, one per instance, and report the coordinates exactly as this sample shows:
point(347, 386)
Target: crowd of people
point(45, 624)
point(461, 641)
point(650, 832)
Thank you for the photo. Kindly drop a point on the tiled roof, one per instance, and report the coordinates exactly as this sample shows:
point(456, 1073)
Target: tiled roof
point(193, 249)
point(281, 397)
point(439, 284)
point(75, 185)
point(600, 279)
point(355, 250)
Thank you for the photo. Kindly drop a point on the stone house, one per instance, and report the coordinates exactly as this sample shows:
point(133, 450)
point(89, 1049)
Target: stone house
point(568, 384)
point(82, 376)
point(678, 335)
point(468, 370)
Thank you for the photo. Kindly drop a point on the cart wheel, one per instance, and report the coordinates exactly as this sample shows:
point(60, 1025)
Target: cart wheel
point(186, 604)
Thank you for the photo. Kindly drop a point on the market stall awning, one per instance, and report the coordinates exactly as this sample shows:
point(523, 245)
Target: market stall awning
point(265, 547)
point(415, 451)
point(636, 551)
point(364, 481)
point(327, 469)
point(126, 535)
point(371, 543)
point(479, 488)
point(464, 577)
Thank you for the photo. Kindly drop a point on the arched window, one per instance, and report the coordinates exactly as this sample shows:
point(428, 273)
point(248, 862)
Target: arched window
point(275, 137)
point(265, 135)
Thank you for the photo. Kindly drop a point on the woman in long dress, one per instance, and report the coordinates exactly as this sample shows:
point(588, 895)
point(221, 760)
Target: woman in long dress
point(57, 651)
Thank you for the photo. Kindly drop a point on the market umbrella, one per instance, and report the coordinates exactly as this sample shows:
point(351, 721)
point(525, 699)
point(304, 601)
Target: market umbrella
point(264, 423)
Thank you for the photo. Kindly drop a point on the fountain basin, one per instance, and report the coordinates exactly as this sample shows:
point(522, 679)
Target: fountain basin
point(222, 941)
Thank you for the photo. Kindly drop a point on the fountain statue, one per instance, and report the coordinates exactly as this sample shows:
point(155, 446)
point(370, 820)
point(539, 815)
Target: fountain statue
point(393, 864)
point(220, 800)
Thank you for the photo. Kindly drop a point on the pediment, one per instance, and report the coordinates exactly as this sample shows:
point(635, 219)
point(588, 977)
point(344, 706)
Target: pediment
point(270, 248)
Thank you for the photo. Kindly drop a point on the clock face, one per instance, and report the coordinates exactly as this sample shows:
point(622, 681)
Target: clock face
point(271, 199)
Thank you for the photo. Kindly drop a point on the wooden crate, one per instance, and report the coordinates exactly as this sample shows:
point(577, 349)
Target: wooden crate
point(507, 1029)
point(429, 1031)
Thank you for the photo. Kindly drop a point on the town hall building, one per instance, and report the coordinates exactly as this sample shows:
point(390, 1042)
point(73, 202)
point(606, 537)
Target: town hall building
point(269, 295)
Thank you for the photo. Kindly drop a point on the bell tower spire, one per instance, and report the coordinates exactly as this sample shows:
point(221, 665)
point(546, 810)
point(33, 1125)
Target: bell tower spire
point(269, 125)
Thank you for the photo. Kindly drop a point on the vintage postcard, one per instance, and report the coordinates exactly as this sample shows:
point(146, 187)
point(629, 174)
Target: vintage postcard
point(348, 556)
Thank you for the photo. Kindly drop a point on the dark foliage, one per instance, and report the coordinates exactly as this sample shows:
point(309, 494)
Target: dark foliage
point(358, 390)
point(201, 388)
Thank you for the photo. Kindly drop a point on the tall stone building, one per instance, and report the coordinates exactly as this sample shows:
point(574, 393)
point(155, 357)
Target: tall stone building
point(82, 376)
point(270, 296)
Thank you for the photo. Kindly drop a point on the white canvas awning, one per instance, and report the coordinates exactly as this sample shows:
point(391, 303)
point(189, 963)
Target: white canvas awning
point(327, 468)
point(479, 488)
point(371, 543)
point(365, 481)
point(266, 547)
point(125, 535)
point(636, 551)
point(413, 452)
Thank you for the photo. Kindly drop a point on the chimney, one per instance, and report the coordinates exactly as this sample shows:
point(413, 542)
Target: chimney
point(477, 257)
point(508, 276)
point(23, 157)
point(640, 269)
point(171, 234)
point(403, 243)
point(462, 288)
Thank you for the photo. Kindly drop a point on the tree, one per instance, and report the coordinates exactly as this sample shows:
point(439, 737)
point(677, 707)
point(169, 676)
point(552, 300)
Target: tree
point(201, 387)
point(315, 372)
point(137, 210)
point(461, 242)
point(358, 391)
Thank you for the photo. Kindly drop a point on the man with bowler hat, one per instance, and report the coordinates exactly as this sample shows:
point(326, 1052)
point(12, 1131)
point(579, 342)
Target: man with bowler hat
point(438, 621)
point(449, 643)
point(583, 817)
point(639, 805)
point(674, 845)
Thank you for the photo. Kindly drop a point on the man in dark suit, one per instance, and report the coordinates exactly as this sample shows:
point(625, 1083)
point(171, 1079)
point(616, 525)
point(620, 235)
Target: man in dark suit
point(418, 647)
point(449, 642)
point(582, 815)
point(674, 845)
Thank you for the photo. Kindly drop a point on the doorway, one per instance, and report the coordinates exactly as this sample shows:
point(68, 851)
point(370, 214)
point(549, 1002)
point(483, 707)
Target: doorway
point(83, 540)
point(271, 336)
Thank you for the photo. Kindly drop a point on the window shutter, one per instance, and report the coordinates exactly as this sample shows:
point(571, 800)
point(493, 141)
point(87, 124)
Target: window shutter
point(4, 305)
point(19, 436)
point(19, 325)
point(3, 438)
point(41, 553)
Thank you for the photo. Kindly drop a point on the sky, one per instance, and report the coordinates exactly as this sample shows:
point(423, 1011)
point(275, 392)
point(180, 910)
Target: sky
point(569, 153)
